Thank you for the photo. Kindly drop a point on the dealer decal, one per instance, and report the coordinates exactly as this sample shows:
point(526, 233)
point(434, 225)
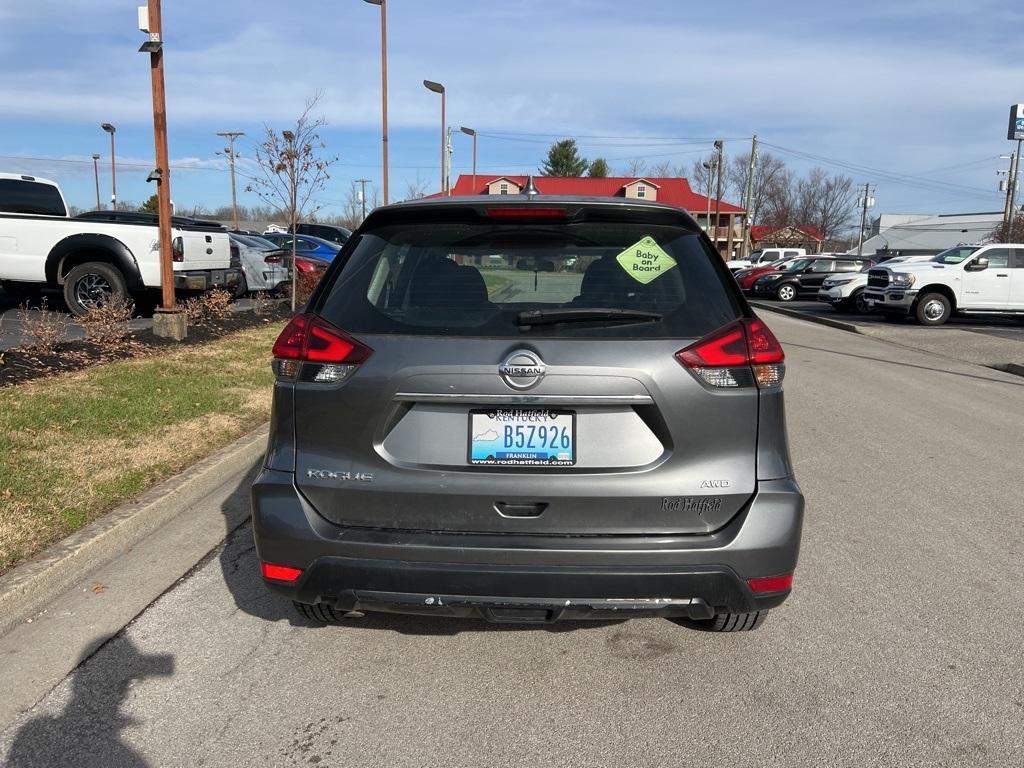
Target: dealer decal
point(645, 260)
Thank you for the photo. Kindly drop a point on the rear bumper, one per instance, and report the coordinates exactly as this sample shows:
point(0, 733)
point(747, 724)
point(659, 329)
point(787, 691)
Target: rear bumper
point(519, 577)
point(203, 279)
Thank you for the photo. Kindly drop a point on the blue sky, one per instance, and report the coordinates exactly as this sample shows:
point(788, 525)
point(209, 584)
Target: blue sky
point(914, 94)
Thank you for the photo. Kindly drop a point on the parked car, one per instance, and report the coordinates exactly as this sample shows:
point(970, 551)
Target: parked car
point(846, 290)
point(100, 254)
point(745, 277)
point(258, 274)
point(967, 279)
point(440, 444)
point(328, 232)
point(803, 277)
point(764, 257)
point(305, 245)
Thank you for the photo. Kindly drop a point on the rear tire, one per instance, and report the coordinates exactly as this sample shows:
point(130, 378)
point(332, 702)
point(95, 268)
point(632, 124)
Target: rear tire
point(321, 613)
point(92, 284)
point(242, 288)
point(729, 622)
point(933, 309)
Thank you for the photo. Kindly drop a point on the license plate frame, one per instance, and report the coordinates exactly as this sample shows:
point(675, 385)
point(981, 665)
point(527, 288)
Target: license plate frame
point(514, 416)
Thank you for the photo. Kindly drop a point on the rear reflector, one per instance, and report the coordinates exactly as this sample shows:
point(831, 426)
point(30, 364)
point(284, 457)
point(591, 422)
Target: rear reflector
point(526, 212)
point(741, 354)
point(283, 573)
point(766, 584)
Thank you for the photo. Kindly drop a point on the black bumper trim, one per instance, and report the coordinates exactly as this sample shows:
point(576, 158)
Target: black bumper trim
point(521, 593)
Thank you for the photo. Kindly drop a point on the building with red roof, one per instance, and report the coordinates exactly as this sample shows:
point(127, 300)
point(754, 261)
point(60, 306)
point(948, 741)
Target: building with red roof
point(805, 236)
point(673, 191)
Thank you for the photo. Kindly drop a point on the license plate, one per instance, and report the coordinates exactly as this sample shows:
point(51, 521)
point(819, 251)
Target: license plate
point(522, 437)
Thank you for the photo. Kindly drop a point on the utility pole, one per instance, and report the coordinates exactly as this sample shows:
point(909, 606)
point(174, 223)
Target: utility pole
point(709, 165)
point(229, 150)
point(865, 202)
point(96, 175)
point(362, 197)
point(1015, 167)
point(172, 323)
point(720, 146)
point(748, 198)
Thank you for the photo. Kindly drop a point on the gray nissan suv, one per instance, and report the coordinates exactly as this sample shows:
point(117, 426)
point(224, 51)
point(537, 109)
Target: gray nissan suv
point(529, 409)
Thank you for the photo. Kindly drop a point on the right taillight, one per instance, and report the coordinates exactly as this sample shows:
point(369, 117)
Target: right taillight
point(178, 249)
point(744, 353)
point(311, 349)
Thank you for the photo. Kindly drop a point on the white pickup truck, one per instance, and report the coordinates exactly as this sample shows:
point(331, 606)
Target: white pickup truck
point(968, 279)
point(765, 257)
point(101, 253)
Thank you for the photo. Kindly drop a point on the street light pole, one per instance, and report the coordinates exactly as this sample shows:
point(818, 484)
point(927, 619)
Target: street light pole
point(362, 197)
point(96, 176)
point(383, 91)
point(230, 151)
point(109, 128)
point(438, 88)
point(471, 132)
point(719, 145)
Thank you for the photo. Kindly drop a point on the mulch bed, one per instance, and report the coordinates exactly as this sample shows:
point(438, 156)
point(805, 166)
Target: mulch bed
point(18, 365)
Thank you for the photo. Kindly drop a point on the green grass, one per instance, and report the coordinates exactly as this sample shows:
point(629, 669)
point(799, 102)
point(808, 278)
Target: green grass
point(494, 282)
point(75, 446)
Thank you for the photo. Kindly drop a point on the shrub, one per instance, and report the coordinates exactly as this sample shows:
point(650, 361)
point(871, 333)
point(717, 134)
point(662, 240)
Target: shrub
point(107, 324)
point(208, 308)
point(44, 328)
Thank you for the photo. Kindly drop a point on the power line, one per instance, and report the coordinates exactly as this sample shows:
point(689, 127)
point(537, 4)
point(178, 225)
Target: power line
point(895, 178)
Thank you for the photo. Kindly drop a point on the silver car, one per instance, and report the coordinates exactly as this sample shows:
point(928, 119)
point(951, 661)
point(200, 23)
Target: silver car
point(259, 274)
point(527, 410)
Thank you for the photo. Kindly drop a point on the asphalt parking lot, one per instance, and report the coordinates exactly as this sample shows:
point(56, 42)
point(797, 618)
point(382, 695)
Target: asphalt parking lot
point(995, 342)
point(899, 647)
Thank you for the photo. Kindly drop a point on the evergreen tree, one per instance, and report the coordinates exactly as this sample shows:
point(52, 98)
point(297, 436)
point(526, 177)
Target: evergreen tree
point(564, 160)
point(598, 169)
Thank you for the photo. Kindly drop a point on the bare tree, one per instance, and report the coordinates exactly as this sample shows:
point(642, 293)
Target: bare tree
point(291, 169)
point(635, 167)
point(416, 189)
point(769, 174)
point(667, 169)
point(825, 201)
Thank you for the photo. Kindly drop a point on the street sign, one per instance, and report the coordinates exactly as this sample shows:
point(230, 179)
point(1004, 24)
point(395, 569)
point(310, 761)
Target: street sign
point(1016, 131)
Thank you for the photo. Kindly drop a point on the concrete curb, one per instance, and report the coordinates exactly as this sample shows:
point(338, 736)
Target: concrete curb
point(849, 327)
point(28, 588)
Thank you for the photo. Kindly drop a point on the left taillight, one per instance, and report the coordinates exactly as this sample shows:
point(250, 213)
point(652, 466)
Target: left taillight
point(744, 353)
point(311, 349)
point(177, 249)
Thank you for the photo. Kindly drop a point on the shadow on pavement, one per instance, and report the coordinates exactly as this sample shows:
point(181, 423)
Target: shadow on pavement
point(240, 568)
point(88, 732)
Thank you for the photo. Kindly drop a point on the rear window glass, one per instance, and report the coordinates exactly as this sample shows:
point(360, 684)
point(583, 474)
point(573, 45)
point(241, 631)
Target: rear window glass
point(19, 196)
point(492, 280)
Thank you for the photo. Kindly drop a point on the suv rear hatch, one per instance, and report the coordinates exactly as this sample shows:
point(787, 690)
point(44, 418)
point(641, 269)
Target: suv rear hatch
point(521, 368)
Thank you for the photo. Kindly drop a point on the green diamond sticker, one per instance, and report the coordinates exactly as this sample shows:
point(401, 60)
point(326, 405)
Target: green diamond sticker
point(645, 260)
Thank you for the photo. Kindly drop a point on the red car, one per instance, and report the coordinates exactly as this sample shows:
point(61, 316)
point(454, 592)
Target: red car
point(746, 277)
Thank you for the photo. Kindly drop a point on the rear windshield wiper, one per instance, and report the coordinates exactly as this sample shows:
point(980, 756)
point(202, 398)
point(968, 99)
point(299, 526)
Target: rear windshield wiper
point(531, 317)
